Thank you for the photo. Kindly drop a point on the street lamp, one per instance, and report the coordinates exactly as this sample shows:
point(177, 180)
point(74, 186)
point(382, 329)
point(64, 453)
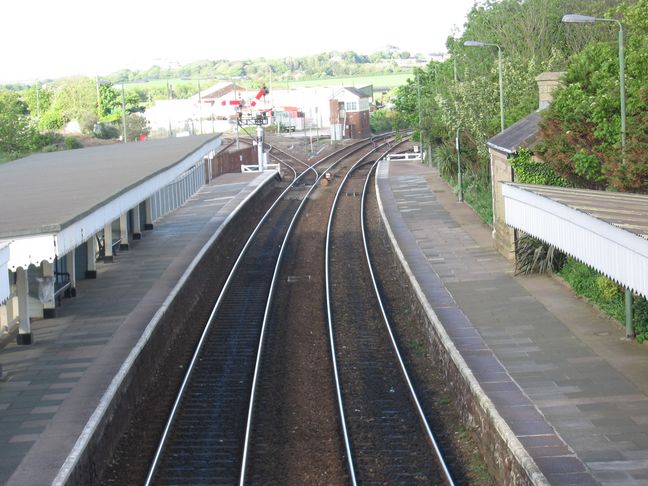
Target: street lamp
point(123, 113)
point(586, 19)
point(418, 103)
point(470, 43)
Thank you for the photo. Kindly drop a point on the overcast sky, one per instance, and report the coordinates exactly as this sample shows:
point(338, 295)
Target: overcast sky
point(47, 38)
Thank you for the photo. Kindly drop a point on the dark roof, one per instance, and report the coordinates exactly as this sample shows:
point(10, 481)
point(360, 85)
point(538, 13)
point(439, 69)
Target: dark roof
point(48, 191)
point(523, 133)
point(359, 93)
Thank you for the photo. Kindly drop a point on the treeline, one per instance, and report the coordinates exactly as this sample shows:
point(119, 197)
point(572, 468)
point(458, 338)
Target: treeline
point(317, 66)
point(325, 64)
point(31, 120)
point(581, 143)
point(581, 129)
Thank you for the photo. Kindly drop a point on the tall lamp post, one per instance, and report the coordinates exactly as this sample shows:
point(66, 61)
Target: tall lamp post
point(499, 64)
point(586, 19)
point(418, 107)
point(123, 113)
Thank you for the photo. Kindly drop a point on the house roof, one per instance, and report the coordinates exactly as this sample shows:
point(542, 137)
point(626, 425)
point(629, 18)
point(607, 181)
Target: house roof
point(523, 133)
point(51, 203)
point(355, 91)
point(216, 91)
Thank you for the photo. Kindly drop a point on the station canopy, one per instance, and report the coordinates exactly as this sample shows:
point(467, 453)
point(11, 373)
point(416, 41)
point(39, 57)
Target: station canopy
point(607, 231)
point(52, 202)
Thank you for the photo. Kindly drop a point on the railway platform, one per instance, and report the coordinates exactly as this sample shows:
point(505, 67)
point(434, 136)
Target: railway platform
point(570, 392)
point(50, 389)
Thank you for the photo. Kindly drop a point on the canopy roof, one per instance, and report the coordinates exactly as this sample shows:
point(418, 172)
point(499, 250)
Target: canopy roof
point(50, 203)
point(605, 230)
point(46, 192)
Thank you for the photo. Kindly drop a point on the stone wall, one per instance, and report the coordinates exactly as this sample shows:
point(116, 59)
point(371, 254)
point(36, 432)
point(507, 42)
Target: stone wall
point(504, 235)
point(507, 462)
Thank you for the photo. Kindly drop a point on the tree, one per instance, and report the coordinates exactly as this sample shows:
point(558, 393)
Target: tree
point(18, 134)
point(581, 129)
point(136, 125)
point(73, 98)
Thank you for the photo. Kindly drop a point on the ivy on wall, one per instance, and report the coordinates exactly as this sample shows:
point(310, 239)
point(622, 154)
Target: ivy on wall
point(532, 171)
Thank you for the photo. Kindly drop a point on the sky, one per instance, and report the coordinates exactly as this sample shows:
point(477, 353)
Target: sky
point(42, 39)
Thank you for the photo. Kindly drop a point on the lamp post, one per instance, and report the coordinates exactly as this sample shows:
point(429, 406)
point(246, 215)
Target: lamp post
point(459, 175)
point(470, 43)
point(123, 113)
point(418, 103)
point(586, 19)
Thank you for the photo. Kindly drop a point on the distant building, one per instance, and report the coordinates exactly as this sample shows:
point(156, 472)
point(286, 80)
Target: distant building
point(205, 112)
point(350, 113)
point(214, 110)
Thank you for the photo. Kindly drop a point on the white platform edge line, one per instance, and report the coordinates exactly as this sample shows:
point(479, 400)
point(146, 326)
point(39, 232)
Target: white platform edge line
point(514, 444)
point(96, 417)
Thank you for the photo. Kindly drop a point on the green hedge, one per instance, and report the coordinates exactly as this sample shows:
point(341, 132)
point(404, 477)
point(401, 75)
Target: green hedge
point(606, 294)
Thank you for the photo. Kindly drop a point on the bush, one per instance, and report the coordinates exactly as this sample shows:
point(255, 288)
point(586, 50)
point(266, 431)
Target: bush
point(531, 171)
point(606, 294)
point(136, 125)
point(477, 194)
point(106, 131)
point(87, 122)
point(51, 120)
point(380, 121)
point(534, 256)
point(71, 143)
point(444, 159)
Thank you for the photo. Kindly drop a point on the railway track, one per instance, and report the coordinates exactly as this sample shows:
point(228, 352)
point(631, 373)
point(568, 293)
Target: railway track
point(387, 437)
point(234, 419)
point(202, 442)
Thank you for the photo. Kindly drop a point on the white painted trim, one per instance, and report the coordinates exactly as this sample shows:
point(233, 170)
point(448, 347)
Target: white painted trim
point(31, 250)
point(4, 272)
point(34, 249)
point(109, 395)
point(500, 149)
point(616, 253)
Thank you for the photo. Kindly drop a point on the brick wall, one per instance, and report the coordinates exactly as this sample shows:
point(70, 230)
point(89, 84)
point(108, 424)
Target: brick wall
point(357, 124)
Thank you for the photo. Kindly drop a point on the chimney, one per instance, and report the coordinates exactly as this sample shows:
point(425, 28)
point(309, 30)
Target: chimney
point(547, 82)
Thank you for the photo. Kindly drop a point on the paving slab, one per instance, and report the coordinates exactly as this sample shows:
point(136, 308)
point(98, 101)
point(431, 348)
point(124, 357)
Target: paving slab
point(573, 391)
point(50, 388)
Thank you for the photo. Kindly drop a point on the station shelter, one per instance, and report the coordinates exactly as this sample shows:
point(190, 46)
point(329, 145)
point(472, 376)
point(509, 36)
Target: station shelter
point(61, 212)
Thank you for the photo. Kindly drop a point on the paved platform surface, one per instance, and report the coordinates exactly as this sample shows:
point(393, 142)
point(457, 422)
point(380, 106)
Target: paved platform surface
point(573, 391)
point(50, 389)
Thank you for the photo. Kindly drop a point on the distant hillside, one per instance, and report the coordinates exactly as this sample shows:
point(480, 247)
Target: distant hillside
point(318, 66)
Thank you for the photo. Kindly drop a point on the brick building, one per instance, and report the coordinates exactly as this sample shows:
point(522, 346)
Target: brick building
point(350, 114)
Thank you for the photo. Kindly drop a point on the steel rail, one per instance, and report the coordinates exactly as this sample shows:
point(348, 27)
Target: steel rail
point(206, 330)
point(257, 367)
point(345, 434)
point(197, 352)
point(388, 326)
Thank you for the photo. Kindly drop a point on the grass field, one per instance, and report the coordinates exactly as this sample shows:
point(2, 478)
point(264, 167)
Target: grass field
point(381, 82)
